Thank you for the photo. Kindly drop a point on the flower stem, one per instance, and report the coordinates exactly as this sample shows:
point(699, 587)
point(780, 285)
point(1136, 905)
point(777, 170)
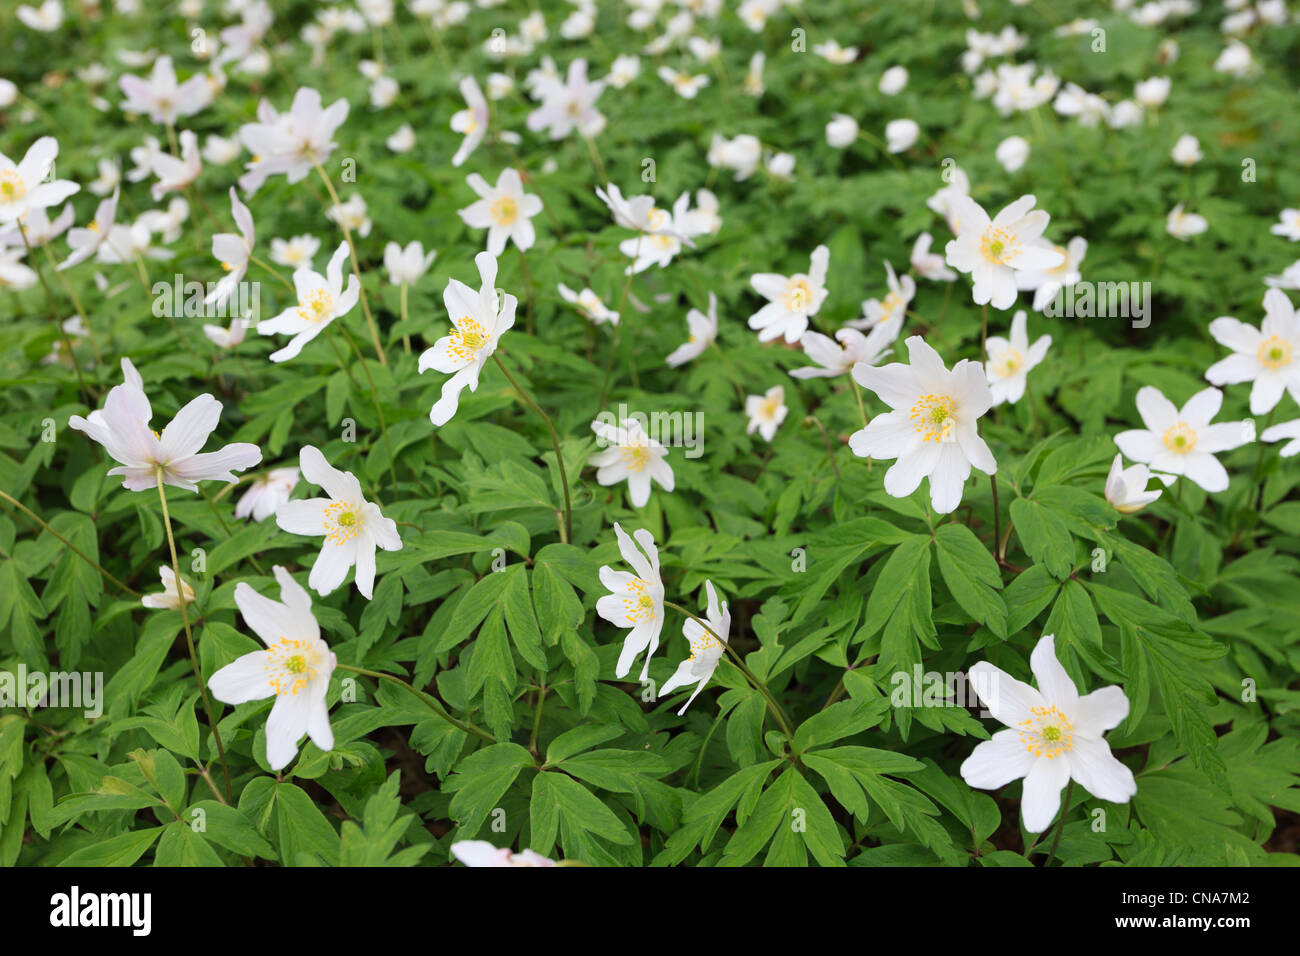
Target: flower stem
point(54, 312)
point(1060, 825)
point(70, 546)
point(374, 395)
point(189, 636)
point(356, 269)
point(429, 701)
point(566, 530)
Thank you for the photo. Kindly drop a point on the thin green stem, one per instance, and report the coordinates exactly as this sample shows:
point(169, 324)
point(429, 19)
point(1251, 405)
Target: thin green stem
point(566, 530)
point(68, 544)
point(1060, 825)
point(356, 268)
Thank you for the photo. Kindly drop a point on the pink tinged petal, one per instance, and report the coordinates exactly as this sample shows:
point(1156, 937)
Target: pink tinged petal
point(242, 680)
point(1097, 771)
point(1102, 710)
point(1042, 792)
point(996, 762)
point(1053, 682)
point(1010, 701)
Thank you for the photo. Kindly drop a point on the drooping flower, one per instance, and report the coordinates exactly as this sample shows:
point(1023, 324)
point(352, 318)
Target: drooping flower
point(629, 454)
point(929, 265)
point(227, 338)
point(932, 425)
point(122, 427)
point(1054, 735)
point(472, 121)
point(168, 599)
point(1265, 356)
point(352, 527)
point(406, 266)
point(894, 307)
point(295, 669)
point(703, 333)
point(1126, 488)
point(993, 251)
point(265, 495)
point(1183, 225)
point(504, 210)
point(1011, 361)
point(791, 301)
point(766, 412)
point(23, 186)
point(233, 252)
point(636, 600)
point(321, 300)
point(1181, 441)
point(837, 356)
point(478, 319)
point(483, 853)
point(706, 648)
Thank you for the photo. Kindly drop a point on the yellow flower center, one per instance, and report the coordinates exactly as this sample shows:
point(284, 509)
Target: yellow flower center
point(636, 457)
point(316, 307)
point(997, 245)
point(770, 407)
point(1047, 733)
point(467, 338)
point(639, 605)
point(343, 521)
point(505, 211)
point(934, 417)
point(12, 187)
point(291, 665)
point(1274, 352)
point(797, 296)
point(1180, 439)
point(1007, 363)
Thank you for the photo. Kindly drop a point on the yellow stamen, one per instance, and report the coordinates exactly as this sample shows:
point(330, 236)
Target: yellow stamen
point(934, 417)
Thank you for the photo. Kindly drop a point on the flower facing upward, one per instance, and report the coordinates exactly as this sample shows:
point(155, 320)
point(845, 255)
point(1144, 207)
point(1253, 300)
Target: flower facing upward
point(352, 527)
point(1265, 356)
point(994, 250)
point(932, 425)
point(706, 648)
point(295, 669)
point(23, 185)
point(1011, 361)
point(790, 301)
point(1181, 441)
point(161, 96)
point(633, 456)
point(570, 105)
point(636, 600)
point(321, 300)
point(504, 210)
point(292, 143)
point(1054, 736)
point(478, 320)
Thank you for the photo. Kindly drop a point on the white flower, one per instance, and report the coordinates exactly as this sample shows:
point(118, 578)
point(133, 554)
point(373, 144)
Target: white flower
point(766, 412)
point(1010, 362)
point(472, 121)
point(1012, 153)
point(406, 266)
point(837, 356)
point(741, 155)
point(265, 495)
point(175, 174)
point(1266, 356)
point(478, 321)
point(1288, 225)
point(296, 252)
point(623, 71)
point(1046, 283)
point(1181, 441)
point(1055, 736)
point(295, 669)
point(1290, 430)
point(109, 178)
point(483, 853)
point(15, 275)
point(791, 301)
point(703, 333)
point(351, 213)
point(701, 219)
point(167, 222)
point(169, 599)
point(23, 186)
point(629, 454)
point(894, 307)
point(1183, 225)
point(352, 526)
point(900, 134)
point(504, 210)
point(1126, 488)
point(292, 143)
point(46, 18)
point(659, 245)
point(383, 92)
point(1152, 93)
point(589, 304)
point(1235, 60)
point(1089, 108)
point(706, 648)
point(893, 80)
point(753, 85)
point(993, 251)
point(161, 96)
point(321, 300)
point(932, 425)
point(402, 140)
point(232, 251)
point(780, 165)
point(122, 427)
point(929, 265)
point(636, 600)
point(947, 200)
point(686, 86)
point(832, 52)
point(1125, 113)
point(227, 338)
point(841, 131)
point(85, 241)
point(570, 105)
point(219, 151)
point(1289, 279)
point(1187, 151)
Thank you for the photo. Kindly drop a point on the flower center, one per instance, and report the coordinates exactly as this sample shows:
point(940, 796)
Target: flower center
point(770, 406)
point(316, 307)
point(997, 245)
point(1047, 733)
point(505, 211)
point(291, 665)
point(1007, 363)
point(639, 605)
point(12, 187)
point(1181, 438)
point(1274, 352)
point(934, 417)
point(636, 457)
point(797, 295)
point(467, 339)
point(343, 521)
